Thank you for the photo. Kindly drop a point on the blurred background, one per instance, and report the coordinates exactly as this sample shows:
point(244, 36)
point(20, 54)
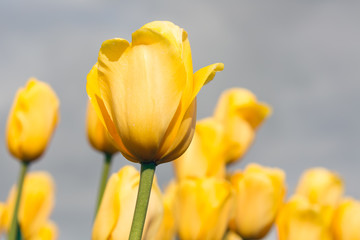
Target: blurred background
point(303, 58)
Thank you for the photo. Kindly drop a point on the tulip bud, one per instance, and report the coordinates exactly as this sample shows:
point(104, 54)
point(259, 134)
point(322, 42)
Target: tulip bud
point(113, 220)
point(2, 217)
point(203, 207)
point(230, 235)
point(260, 194)
point(36, 203)
point(299, 219)
point(240, 114)
point(145, 92)
point(98, 136)
point(48, 231)
point(167, 227)
point(346, 220)
point(205, 155)
point(32, 120)
point(321, 186)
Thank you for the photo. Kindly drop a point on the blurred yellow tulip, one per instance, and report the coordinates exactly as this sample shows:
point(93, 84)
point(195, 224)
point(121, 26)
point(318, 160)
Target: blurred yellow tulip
point(203, 208)
point(230, 235)
point(2, 218)
point(113, 220)
point(145, 92)
point(32, 120)
point(241, 114)
point(36, 203)
point(260, 193)
point(299, 219)
point(205, 155)
point(98, 136)
point(48, 231)
point(346, 220)
point(321, 186)
point(167, 227)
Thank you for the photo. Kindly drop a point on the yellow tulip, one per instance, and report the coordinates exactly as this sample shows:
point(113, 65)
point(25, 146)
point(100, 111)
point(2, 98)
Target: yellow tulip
point(230, 235)
point(48, 231)
point(241, 114)
point(321, 186)
point(2, 217)
point(205, 155)
point(299, 219)
point(113, 220)
point(346, 220)
point(36, 203)
point(260, 194)
point(145, 92)
point(32, 120)
point(167, 227)
point(203, 208)
point(98, 136)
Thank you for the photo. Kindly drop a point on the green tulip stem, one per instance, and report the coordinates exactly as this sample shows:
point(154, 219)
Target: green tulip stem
point(103, 180)
point(142, 201)
point(14, 227)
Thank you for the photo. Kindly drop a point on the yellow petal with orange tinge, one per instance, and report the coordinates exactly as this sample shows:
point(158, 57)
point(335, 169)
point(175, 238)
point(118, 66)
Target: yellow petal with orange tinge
point(32, 120)
point(48, 231)
point(118, 204)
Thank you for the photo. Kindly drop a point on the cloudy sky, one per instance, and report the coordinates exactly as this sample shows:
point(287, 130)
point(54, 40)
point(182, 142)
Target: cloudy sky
point(301, 57)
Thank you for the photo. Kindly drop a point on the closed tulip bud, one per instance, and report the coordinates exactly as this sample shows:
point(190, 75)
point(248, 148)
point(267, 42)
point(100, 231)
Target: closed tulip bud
point(36, 203)
point(241, 114)
point(48, 231)
point(32, 120)
point(260, 194)
point(167, 227)
point(113, 220)
point(2, 217)
point(321, 186)
point(98, 136)
point(299, 219)
point(205, 155)
point(203, 207)
point(145, 92)
point(346, 220)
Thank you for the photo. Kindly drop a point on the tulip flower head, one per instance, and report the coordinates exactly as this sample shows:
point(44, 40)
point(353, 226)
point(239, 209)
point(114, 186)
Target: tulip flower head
point(299, 219)
point(241, 114)
point(145, 91)
point(32, 120)
point(321, 186)
point(98, 135)
point(260, 193)
point(346, 220)
point(113, 220)
point(36, 204)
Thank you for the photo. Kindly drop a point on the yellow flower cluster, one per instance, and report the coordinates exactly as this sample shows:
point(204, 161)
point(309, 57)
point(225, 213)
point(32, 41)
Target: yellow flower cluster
point(318, 210)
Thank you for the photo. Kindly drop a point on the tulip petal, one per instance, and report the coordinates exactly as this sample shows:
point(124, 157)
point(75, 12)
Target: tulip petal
point(205, 75)
point(142, 89)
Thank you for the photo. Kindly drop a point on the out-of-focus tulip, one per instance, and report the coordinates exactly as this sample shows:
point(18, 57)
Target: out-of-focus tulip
point(241, 114)
point(145, 92)
point(113, 220)
point(299, 219)
point(48, 231)
point(346, 220)
point(32, 120)
point(230, 235)
point(36, 203)
point(203, 208)
point(167, 227)
point(98, 136)
point(260, 193)
point(2, 217)
point(321, 186)
point(205, 155)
